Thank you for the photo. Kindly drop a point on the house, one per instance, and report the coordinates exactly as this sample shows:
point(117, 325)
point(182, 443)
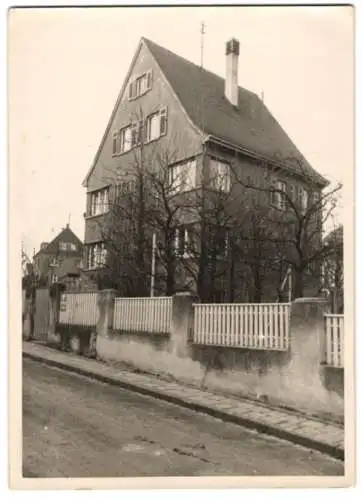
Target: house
point(65, 250)
point(221, 135)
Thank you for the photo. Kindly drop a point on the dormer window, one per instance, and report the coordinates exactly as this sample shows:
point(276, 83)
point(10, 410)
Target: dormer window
point(140, 85)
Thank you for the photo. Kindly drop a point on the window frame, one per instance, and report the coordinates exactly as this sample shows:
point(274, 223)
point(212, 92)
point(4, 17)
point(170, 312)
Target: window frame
point(135, 88)
point(303, 199)
point(161, 115)
point(186, 181)
point(216, 182)
point(277, 199)
point(99, 206)
point(184, 241)
point(96, 255)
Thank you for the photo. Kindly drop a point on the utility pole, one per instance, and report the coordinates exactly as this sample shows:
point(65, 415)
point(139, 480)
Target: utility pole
point(153, 270)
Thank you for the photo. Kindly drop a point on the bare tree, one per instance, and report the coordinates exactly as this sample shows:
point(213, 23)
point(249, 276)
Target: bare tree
point(295, 220)
point(143, 203)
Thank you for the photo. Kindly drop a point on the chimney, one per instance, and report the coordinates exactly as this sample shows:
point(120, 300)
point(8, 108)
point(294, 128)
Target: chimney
point(231, 80)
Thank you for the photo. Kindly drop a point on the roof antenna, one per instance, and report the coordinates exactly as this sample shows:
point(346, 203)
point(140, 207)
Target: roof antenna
point(202, 31)
point(68, 224)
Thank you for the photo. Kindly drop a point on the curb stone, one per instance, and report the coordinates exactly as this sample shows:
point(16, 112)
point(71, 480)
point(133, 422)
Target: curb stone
point(231, 416)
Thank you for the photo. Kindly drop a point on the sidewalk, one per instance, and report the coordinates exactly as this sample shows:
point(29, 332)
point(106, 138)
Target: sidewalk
point(298, 429)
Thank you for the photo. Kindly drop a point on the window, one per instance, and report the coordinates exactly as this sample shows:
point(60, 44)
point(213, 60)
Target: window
point(182, 177)
point(182, 242)
point(140, 85)
point(220, 175)
point(64, 246)
point(128, 137)
point(278, 198)
point(96, 255)
point(156, 125)
point(303, 199)
point(125, 139)
point(125, 187)
point(99, 202)
point(316, 198)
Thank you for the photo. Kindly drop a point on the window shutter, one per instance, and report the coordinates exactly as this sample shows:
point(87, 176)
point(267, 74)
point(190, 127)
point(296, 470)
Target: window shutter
point(149, 79)
point(273, 194)
point(130, 90)
point(163, 121)
point(115, 141)
point(292, 192)
point(145, 131)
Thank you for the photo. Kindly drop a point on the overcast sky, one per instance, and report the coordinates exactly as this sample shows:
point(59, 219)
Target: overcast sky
point(67, 67)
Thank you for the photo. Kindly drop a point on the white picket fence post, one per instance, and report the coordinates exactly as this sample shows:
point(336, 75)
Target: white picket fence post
point(252, 326)
point(334, 340)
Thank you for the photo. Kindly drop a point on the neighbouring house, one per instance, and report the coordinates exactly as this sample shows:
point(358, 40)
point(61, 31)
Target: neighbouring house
point(56, 258)
point(220, 138)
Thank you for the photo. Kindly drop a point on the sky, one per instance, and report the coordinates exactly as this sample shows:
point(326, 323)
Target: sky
point(66, 67)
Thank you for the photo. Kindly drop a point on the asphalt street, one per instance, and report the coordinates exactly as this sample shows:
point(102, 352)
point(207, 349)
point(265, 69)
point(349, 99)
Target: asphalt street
point(76, 427)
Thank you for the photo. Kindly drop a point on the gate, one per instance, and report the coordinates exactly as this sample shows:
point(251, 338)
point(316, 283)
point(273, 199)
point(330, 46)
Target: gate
point(41, 317)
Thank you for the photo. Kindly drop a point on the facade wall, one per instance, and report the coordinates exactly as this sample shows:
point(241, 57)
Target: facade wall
point(182, 140)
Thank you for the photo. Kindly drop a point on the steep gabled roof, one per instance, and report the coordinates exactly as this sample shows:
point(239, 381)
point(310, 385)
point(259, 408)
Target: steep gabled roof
point(66, 235)
point(250, 126)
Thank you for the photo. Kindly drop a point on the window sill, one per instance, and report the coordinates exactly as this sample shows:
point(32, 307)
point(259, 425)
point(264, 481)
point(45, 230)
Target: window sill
point(98, 268)
point(217, 190)
point(88, 217)
point(116, 155)
point(131, 99)
point(278, 208)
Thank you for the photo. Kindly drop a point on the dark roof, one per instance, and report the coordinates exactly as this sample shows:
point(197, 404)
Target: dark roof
point(250, 125)
point(67, 235)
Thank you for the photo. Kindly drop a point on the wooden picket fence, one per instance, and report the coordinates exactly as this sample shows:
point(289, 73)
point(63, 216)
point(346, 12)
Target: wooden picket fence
point(334, 340)
point(145, 314)
point(79, 309)
point(250, 326)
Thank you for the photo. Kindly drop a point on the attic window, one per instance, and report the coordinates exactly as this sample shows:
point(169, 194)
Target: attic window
point(65, 246)
point(140, 85)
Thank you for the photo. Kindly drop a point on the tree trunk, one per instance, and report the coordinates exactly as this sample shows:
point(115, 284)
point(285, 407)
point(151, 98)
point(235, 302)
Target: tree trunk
point(299, 284)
